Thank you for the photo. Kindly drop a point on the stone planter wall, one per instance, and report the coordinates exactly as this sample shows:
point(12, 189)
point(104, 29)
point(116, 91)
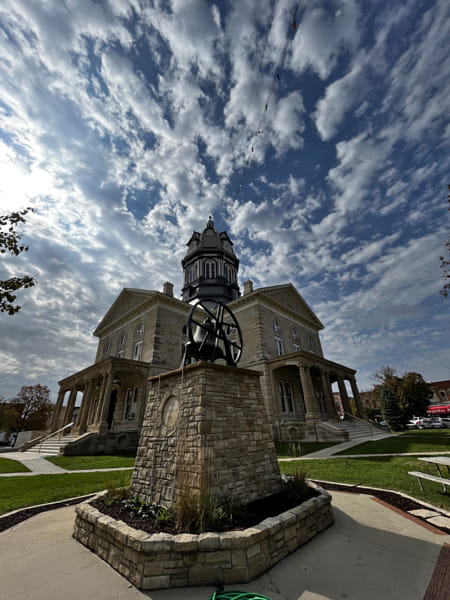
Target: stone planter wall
point(167, 561)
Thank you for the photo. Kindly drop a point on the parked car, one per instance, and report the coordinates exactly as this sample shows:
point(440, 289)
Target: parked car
point(446, 422)
point(436, 423)
point(426, 423)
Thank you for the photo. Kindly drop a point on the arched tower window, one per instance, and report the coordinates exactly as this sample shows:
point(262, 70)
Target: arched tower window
point(210, 269)
point(229, 273)
point(192, 273)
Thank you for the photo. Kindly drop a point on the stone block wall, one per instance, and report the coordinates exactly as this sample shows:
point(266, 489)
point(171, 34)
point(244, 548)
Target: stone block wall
point(161, 560)
point(205, 429)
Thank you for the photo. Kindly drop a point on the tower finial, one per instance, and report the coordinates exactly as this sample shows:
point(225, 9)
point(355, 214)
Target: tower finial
point(210, 223)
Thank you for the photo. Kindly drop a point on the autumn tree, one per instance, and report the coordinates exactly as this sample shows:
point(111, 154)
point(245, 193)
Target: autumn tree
point(32, 407)
point(10, 242)
point(445, 264)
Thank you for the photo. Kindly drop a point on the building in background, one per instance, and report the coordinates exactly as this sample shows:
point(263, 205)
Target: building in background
point(143, 335)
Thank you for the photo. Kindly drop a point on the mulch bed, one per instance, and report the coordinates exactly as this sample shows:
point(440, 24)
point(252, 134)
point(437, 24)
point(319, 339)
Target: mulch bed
point(396, 500)
point(258, 512)
point(22, 515)
point(247, 516)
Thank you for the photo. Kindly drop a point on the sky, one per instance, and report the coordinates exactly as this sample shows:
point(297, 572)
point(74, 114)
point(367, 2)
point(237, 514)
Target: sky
point(316, 133)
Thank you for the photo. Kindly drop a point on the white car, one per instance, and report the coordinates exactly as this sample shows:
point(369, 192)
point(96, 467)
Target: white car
point(437, 423)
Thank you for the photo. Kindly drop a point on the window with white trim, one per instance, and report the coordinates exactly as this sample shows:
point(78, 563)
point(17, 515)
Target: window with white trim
point(120, 354)
point(309, 341)
point(296, 347)
point(210, 269)
point(192, 273)
point(285, 392)
point(106, 348)
point(293, 333)
point(276, 325)
point(131, 404)
point(278, 346)
point(137, 353)
point(123, 339)
point(228, 273)
point(139, 329)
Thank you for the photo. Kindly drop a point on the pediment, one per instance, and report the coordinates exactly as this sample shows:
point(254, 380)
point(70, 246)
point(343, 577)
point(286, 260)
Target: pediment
point(286, 295)
point(126, 302)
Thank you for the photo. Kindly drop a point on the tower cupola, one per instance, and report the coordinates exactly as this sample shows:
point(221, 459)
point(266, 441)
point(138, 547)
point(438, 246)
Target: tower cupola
point(210, 266)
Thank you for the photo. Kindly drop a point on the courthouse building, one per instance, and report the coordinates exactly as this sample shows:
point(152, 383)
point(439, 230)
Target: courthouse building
point(144, 332)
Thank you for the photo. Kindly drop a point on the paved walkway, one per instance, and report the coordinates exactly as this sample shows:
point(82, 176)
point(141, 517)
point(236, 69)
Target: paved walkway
point(371, 552)
point(39, 466)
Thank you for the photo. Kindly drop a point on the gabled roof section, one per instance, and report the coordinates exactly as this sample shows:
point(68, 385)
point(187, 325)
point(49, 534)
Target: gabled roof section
point(285, 296)
point(126, 302)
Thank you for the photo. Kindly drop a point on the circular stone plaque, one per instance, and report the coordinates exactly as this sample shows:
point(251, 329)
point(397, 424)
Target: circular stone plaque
point(170, 411)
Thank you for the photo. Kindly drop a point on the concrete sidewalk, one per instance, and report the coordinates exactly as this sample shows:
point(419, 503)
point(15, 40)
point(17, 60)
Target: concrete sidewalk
point(371, 552)
point(39, 466)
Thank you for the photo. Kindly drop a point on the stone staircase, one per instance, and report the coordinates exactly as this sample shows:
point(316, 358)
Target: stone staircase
point(52, 445)
point(359, 429)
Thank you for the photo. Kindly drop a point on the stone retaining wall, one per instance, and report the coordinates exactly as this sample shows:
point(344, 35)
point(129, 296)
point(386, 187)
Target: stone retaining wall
point(155, 561)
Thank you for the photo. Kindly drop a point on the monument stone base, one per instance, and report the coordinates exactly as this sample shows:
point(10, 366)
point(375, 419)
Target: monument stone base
point(205, 430)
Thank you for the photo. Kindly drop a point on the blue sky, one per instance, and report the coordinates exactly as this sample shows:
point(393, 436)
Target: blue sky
point(125, 123)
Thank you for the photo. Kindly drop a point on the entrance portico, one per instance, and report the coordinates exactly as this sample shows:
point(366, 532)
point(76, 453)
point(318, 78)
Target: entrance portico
point(302, 394)
point(107, 388)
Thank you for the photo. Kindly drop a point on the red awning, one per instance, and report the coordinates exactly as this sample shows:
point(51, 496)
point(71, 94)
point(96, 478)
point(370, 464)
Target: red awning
point(439, 409)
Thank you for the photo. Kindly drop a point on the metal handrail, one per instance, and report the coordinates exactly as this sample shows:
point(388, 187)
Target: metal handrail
point(60, 430)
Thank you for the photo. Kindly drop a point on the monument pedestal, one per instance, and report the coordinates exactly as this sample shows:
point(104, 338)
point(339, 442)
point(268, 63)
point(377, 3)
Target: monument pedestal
point(205, 430)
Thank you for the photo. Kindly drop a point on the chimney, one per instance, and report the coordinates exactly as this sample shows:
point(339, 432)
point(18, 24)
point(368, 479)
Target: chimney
point(168, 289)
point(248, 286)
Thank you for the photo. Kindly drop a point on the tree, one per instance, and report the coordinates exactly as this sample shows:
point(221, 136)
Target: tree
point(402, 397)
point(32, 407)
point(10, 242)
point(390, 407)
point(445, 264)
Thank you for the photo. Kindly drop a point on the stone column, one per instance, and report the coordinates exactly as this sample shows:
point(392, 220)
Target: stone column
point(312, 409)
point(85, 405)
point(106, 400)
point(357, 397)
point(331, 408)
point(344, 397)
point(57, 411)
point(101, 400)
point(70, 406)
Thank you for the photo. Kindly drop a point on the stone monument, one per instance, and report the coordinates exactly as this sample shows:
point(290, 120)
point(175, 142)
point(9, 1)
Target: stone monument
point(205, 428)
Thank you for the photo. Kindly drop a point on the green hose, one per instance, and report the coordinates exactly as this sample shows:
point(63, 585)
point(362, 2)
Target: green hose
point(236, 595)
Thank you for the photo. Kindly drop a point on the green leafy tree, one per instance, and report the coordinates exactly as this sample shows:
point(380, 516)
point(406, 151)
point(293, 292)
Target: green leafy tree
point(414, 394)
point(10, 242)
point(32, 407)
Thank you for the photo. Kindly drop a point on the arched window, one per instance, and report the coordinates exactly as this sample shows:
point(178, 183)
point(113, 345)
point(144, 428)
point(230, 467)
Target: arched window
point(228, 273)
point(210, 269)
point(192, 273)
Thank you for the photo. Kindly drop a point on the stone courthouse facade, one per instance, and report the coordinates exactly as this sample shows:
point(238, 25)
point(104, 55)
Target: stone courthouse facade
point(143, 335)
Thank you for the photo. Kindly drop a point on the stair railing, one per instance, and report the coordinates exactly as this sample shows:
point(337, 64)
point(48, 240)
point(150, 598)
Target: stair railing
point(58, 431)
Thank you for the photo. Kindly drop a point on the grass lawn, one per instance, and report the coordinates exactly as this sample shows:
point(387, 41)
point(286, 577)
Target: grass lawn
point(103, 461)
point(290, 449)
point(416, 440)
point(387, 472)
point(8, 465)
point(18, 492)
